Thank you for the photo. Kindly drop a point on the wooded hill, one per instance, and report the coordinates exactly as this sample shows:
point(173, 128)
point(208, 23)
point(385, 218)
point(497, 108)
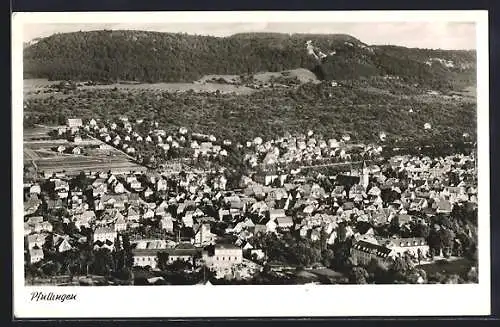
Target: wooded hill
point(167, 57)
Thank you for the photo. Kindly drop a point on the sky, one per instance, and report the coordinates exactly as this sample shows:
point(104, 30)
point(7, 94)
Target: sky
point(435, 35)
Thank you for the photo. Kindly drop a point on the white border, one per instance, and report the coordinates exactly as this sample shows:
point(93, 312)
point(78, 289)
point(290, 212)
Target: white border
point(250, 301)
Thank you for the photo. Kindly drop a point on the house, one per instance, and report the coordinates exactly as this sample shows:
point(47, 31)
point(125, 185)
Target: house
point(84, 219)
point(381, 216)
point(260, 229)
point(145, 258)
point(403, 219)
point(203, 236)
point(167, 224)
point(162, 209)
point(276, 213)
point(133, 214)
point(114, 200)
point(63, 245)
point(357, 190)
point(339, 192)
point(374, 191)
point(134, 183)
point(182, 252)
point(28, 229)
point(257, 254)
point(284, 223)
point(188, 220)
point(36, 240)
point(444, 206)
point(35, 189)
point(76, 150)
point(224, 259)
point(119, 188)
point(148, 192)
point(34, 220)
point(412, 246)
point(148, 214)
point(161, 185)
point(99, 187)
point(120, 224)
point(247, 246)
point(74, 123)
point(104, 234)
point(44, 226)
point(418, 204)
point(36, 255)
point(317, 192)
point(362, 253)
point(271, 226)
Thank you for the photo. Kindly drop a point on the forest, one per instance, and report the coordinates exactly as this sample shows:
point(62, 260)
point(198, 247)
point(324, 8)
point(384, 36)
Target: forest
point(166, 57)
point(330, 112)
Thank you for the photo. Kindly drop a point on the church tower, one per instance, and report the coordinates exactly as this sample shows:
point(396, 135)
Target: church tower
point(364, 176)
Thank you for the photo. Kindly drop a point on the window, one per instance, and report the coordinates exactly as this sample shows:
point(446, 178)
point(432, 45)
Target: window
point(222, 258)
point(216, 258)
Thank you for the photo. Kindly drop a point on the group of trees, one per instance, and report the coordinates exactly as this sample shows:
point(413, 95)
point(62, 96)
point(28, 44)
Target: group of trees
point(152, 57)
point(272, 113)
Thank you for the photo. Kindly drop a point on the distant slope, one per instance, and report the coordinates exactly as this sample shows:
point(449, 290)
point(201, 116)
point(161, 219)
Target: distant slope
point(167, 57)
point(298, 76)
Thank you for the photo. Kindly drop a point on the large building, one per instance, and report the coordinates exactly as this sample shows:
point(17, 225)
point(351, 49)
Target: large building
point(224, 259)
point(149, 257)
point(412, 246)
point(363, 251)
point(74, 123)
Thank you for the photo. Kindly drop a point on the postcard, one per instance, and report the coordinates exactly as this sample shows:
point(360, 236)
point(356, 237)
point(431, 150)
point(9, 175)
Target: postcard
point(250, 164)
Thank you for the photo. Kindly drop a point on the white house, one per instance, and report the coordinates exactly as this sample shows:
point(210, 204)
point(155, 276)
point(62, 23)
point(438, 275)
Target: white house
point(36, 255)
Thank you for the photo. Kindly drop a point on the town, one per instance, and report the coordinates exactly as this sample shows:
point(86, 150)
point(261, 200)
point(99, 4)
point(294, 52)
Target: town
point(127, 203)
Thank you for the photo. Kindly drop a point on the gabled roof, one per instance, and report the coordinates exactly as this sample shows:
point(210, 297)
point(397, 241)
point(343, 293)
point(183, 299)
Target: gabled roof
point(104, 230)
point(36, 252)
point(284, 221)
point(404, 242)
point(378, 250)
point(444, 205)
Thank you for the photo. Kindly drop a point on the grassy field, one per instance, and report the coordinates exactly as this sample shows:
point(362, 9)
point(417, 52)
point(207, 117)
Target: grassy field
point(35, 88)
point(327, 273)
point(460, 267)
point(303, 75)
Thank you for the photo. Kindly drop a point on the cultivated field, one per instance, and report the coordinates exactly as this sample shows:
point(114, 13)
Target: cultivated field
point(41, 153)
point(38, 88)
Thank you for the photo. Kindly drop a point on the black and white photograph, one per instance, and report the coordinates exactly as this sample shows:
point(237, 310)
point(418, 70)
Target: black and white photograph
point(206, 153)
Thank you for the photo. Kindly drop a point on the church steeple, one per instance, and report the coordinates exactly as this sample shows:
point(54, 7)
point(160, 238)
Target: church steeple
point(364, 175)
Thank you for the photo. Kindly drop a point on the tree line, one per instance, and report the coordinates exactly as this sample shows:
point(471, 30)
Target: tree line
point(166, 57)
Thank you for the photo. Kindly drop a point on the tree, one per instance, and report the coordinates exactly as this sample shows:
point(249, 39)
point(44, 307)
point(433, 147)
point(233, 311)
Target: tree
point(434, 241)
point(162, 260)
point(472, 275)
point(377, 272)
point(358, 275)
point(446, 238)
point(103, 263)
point(421, 230)
point(328, 257)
